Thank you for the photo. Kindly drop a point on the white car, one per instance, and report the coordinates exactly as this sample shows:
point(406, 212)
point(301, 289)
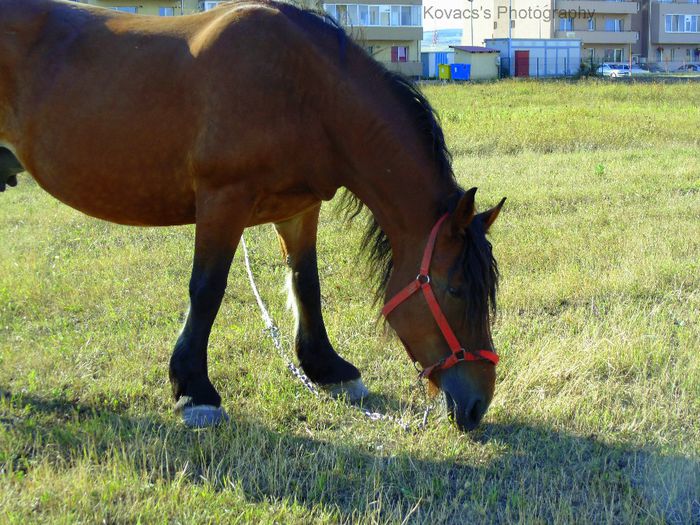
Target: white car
point(636, 70)
point(613, 70)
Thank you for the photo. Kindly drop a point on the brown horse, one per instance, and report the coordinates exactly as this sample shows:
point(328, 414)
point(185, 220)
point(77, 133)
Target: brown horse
point(252, 113)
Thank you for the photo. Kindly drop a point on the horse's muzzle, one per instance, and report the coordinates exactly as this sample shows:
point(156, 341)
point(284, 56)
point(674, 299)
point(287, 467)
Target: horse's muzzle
point(9, 168)
point(9, 181)
point(466, 417)
point(465, 406)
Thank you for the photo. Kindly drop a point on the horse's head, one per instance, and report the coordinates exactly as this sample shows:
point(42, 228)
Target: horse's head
point(443, 317)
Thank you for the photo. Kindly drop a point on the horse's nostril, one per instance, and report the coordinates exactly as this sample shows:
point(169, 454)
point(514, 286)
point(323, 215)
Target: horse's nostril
point(473, 413)
point(476, 412)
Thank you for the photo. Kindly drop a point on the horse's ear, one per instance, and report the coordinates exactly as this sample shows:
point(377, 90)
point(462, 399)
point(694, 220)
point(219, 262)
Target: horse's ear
point(464, 213)
point(490, 216)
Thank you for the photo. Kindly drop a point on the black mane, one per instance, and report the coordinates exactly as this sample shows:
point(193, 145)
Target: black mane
point(476, 262)
point(375, 242)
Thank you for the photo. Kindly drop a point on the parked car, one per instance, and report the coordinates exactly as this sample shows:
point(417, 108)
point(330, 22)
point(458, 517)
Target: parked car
point(612, 70)
point(685, 68)
point(637, 69)
point(655, 68)
point(625, 68)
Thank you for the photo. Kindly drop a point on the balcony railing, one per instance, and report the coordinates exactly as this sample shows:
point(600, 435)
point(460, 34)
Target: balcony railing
point(601, 37)
point(599, 6)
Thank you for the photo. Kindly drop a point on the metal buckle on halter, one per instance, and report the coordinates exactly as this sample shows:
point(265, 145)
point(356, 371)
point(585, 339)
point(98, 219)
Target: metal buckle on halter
point(423, 279)
point(461, 355)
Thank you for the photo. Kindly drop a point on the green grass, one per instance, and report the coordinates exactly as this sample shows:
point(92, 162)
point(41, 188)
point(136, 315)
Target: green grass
point(595, 417)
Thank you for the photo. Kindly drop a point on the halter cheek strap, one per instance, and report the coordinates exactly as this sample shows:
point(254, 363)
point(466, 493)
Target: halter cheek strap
point(422, 282)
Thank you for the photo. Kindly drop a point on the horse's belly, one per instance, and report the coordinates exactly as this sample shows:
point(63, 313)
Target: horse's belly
point(279, 207)
point(130, 201)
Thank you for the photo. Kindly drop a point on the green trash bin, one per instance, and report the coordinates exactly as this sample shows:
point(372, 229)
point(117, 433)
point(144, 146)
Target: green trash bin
point(444, 72)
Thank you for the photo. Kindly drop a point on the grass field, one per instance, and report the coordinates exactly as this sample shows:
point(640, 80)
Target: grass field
point(596, 413)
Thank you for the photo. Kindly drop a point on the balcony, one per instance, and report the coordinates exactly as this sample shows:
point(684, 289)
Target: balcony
point(599, 7)
point(601, 37)
point(657, 21)
point(395, 34)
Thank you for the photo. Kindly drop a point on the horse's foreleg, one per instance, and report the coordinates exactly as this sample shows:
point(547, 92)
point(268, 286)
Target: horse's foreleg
point(221, 218)
point(315, 352)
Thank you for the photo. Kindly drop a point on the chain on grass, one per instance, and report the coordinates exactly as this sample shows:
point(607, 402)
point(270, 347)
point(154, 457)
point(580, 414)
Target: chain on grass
point(274, 334)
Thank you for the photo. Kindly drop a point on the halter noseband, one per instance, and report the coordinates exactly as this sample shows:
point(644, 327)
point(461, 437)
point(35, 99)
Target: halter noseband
point(422, 282)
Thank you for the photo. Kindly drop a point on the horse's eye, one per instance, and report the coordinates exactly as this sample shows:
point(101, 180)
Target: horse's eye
point(454, 291)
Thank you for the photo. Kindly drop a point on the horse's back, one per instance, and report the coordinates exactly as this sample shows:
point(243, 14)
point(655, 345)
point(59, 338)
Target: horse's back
point(130, 114)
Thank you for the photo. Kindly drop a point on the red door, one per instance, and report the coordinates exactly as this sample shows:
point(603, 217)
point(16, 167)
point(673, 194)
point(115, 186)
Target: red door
point(522, 63)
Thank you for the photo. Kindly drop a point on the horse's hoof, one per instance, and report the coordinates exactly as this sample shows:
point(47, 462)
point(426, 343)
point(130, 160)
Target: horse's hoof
point(200, 416)
point(353, 391)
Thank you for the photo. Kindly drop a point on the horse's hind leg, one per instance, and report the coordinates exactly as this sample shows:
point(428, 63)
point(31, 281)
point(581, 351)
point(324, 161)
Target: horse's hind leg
point(221, 218)
point(315, 352)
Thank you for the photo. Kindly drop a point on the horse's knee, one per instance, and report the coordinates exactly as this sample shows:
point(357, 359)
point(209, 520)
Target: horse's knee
point(206, 292)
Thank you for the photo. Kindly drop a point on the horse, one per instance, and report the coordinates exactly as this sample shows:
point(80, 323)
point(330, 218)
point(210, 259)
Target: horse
point(257, 112)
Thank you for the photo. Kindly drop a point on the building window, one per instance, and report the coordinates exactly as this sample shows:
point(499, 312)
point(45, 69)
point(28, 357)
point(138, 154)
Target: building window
point(385, 15)
point(406, 15)
point(210, 5)
point(614, 24)
point(566, 24)
point(591, 24)
point(133, 10)
point(346, 14)
point(363, 13)
point(375, 15)
point(682, 23)
point(395, 15)
point(399, 53)
point(613, 55)
point(166, 11)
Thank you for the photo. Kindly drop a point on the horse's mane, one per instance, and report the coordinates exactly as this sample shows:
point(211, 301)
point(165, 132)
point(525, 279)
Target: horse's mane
point(374, 241)
point(476, 262)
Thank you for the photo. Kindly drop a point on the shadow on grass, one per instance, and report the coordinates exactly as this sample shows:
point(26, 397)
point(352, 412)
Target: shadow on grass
point(536, 472)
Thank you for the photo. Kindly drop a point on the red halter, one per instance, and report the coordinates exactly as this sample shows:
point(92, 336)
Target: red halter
point(422, 282)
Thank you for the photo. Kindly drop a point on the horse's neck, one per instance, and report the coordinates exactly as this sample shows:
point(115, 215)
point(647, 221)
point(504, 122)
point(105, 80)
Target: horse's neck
point(405, 204)
point(393, 175)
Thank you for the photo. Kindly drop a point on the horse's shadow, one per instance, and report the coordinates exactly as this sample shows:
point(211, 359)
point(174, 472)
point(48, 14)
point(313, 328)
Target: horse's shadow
point(350, 481)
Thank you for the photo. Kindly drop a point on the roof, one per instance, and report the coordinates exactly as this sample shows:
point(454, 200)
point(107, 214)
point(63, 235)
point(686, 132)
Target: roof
point(475, 49)
point(436, 49)
point(533, 39)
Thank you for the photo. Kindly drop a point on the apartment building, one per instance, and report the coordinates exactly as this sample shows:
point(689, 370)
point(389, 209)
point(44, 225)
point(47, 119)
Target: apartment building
point(666, 31)
point(390, 31)
point(153, 7)
point(605, 27)
point(670, 31)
